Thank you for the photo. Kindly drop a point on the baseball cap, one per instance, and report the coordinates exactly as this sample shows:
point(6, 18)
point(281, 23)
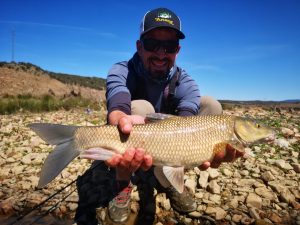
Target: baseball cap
point(161, 17)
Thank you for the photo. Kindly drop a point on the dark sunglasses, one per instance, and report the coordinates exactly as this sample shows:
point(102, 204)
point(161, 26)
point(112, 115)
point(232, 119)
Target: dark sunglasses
point(153, 45)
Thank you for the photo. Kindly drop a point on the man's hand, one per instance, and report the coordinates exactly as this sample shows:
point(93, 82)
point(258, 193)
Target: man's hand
point(230, 155)
point(133, 158)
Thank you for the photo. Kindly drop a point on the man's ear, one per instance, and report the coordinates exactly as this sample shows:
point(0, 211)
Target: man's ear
point(139, 46)
point(178, 49)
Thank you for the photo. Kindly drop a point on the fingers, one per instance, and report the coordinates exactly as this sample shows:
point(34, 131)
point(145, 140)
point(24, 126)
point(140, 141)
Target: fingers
point(137, 159)
point(127, 158)
point(125, 124)
point(204, 166)
point(114, 161)
point(147, 163)
point(131, 160)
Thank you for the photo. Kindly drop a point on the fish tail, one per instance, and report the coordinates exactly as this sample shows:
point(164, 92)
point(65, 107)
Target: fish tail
point(65, 151)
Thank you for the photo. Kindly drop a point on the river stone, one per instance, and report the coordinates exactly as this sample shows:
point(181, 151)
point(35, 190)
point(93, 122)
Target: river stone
point(265, 193)
point(253, 200)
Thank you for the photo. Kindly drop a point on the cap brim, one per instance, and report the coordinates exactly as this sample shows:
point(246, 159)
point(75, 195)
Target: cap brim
point(180, 34)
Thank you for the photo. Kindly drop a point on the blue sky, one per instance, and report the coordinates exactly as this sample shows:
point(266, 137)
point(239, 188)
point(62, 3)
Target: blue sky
point(235, 49)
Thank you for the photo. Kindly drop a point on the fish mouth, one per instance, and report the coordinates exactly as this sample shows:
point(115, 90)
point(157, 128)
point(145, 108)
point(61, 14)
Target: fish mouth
point(270, 138)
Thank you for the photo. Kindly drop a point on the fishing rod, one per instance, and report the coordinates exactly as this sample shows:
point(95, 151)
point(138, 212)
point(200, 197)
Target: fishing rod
point(43, 202)
point(46, 200)
point(52, 208)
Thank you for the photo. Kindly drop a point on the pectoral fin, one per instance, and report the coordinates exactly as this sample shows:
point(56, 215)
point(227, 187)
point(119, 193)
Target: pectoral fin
point(154, 117)
point(237, 146)
point(175, 177)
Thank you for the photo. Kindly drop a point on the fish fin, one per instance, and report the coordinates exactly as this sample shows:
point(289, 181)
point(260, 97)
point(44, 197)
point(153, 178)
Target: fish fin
point(65, 151)
point(220, 147)
point(54, 134)
point(154, 117)
point(97, 154)
point(158, 172)
point(237, 145)
point(175, 177)
point(56, 161)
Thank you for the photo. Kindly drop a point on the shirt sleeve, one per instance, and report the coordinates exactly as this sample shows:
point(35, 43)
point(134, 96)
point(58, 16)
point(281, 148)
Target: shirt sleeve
point(117, 94)
point(188, 95)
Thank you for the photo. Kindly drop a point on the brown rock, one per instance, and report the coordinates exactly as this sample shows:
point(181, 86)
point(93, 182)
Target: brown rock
point(254, 200)
point(6, 206)
point(275, 218)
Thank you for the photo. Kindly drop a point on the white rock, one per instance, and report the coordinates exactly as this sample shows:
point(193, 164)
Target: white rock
point(215, 198)
point(214, 187)
point(283, 143)
point(282, 164)
point(191, 185)
point(199, 195)
point(213, 173)
point(203, 179)
point(227, 172)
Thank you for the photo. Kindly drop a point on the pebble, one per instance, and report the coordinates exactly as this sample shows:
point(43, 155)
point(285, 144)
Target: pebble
point(253, 200)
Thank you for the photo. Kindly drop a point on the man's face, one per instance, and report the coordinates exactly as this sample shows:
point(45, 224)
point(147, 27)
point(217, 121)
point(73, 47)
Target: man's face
point(159, 61)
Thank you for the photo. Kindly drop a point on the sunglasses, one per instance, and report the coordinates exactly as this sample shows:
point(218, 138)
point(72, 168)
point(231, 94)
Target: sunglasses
point(153, 45)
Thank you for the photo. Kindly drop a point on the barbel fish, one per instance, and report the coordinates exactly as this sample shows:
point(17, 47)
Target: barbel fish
point(175, 143)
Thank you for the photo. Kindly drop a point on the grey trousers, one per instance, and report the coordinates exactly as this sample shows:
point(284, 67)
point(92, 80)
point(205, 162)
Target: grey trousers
point(208, 106)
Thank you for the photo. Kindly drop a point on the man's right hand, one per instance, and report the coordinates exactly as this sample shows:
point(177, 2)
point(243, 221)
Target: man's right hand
point(133, 158)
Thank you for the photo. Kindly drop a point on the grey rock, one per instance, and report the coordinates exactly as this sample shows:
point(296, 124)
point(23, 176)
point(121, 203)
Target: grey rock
point(214, 187)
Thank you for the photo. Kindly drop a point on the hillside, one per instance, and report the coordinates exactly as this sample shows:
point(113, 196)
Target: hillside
point(25, 78)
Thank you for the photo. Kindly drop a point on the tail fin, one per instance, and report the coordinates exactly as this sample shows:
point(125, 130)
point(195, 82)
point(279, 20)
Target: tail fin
point(65, 151)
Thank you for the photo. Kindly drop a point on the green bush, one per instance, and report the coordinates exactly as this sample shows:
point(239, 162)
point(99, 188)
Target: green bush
point(11, 104)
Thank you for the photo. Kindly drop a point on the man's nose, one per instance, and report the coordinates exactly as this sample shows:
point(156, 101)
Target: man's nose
point(161, 50)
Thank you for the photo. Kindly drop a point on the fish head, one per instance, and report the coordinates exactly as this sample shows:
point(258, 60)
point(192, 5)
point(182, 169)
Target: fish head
point(250, 131)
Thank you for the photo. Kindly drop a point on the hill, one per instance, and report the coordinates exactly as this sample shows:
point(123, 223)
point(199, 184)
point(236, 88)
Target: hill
point(28, 79)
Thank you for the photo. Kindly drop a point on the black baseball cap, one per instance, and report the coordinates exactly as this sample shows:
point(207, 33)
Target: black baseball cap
point(161, 17)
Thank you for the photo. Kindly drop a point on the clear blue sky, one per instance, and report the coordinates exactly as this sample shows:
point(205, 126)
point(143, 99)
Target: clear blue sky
point(235, 49)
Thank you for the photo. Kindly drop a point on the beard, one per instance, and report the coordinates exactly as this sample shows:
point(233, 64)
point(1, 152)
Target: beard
point(159, 68)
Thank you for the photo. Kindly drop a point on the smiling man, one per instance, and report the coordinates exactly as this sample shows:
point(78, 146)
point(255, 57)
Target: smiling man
point(151, 82)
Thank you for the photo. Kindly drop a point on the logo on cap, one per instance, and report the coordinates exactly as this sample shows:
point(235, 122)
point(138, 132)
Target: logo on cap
point(164, 17)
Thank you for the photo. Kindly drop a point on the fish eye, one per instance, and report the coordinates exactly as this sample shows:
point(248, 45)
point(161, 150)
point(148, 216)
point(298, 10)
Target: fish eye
point(257, 125)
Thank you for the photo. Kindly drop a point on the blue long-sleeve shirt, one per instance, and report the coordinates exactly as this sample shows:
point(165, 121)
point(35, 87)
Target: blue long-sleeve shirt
point(127, 81)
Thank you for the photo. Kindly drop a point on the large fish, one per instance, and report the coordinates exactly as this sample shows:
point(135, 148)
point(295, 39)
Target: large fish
point(174, 143)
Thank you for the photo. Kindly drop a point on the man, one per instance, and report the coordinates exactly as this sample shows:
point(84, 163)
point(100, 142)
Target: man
point(152, 82)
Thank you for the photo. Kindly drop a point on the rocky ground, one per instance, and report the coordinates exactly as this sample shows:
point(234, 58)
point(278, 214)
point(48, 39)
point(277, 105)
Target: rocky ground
point(261, 188)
